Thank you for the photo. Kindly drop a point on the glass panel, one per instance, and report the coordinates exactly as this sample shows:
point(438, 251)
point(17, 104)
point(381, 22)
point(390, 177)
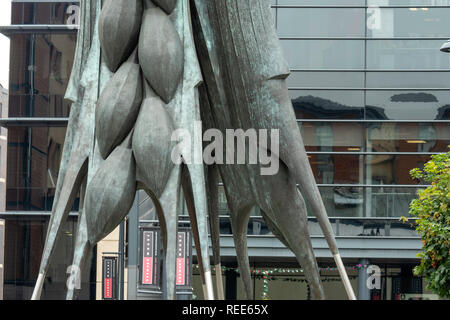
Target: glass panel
point(406, 54)
point(389, 202)
point(342, 201)
point(408, 2)
point(368, 228)
point(382, 137)
point(326, 79)
point(38, 106)
point(408, 79)
point(325, 54)
point(42, 12)
point(342, 227)
point(24, 241)
point(34, 156)
point(408, 105)
point(337, 136)
point(351, 201)
point(408, 137)
point(42, 64)
point(322, 2)
point(337, 168)
point(321, 22)
point(328, 104)
point(410, 22)
point(393, 169)
point(16, 13)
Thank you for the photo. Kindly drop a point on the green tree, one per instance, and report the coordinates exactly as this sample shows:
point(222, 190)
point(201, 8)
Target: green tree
point(432, 209)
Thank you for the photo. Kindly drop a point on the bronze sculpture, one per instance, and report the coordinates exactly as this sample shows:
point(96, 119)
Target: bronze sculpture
point(167, 64)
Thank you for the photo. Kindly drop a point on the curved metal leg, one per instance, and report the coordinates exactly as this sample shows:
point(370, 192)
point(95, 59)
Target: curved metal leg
point(170, 200)
point(77, 170)
point(214, 225)
point(239, 225)
point(286, 209)
point(199, 236)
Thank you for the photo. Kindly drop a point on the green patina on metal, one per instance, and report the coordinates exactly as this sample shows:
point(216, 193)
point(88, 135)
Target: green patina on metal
point(144, 69)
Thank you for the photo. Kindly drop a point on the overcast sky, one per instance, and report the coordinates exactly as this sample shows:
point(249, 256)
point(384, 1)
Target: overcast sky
point(5, 19)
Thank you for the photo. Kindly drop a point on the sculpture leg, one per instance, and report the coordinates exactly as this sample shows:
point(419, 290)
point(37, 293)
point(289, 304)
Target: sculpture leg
point(170, 200)
point(214, 225)
point(239, 225)
point(82, 252)
point(191, 207)
point(76, 171)
point(287, 211)
point(293, 154)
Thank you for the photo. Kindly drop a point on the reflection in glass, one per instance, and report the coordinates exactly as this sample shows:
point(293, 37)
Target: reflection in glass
point(328, 104)
point(41, 12)
point(405, 2)
point(333, 136)
point(34, 156)
point(408, 80)
point(393, 169)
point(411, 22)
point(24, 242)
point(408, 137)
point(39, 73)
point(406, 54)
point(336, 168)
point(399, 105)
point(43, 106)
point(341, 226)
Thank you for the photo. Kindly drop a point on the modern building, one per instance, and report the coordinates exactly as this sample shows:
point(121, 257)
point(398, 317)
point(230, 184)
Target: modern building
point(3, 146)
point(371, 92)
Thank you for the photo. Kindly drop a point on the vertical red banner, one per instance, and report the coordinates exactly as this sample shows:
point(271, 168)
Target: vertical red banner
point(148, 277)
point(108, 290)
point(109, 278)
point(147, 271)
point(181, 259)
point(181, 271)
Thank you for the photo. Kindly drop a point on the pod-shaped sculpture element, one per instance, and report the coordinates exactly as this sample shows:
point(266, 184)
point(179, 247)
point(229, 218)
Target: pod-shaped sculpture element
point(110, 194)
point(152, 145)
point(118, 28)
point(118, 107)
point(161, 53)
point(167, 5)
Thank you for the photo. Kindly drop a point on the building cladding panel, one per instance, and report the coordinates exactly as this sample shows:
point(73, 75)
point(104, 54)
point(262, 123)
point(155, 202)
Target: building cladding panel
point(369, 87)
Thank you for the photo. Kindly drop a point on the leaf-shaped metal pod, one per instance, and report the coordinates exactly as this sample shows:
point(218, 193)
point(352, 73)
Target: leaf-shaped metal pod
point(118, 28)
point(152, 145)
point(110, 194)
point(161, 53)
point(167, 5)
point(118, 107)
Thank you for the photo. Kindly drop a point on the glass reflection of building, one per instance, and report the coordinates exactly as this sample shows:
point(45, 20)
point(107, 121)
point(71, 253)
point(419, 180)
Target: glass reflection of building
point(42, 50)
point(371, 93)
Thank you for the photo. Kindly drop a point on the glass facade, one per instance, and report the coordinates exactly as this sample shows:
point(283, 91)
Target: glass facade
point(40, 67)
point(371, 92)
point(369, 87)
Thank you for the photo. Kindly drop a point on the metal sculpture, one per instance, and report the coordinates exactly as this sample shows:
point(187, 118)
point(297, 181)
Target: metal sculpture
point(166, 65)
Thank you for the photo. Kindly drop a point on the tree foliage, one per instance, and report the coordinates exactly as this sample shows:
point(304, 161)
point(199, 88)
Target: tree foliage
point(432, 209)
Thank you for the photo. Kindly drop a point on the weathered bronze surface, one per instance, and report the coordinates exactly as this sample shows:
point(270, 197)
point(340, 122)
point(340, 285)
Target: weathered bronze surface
point(215, 61)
